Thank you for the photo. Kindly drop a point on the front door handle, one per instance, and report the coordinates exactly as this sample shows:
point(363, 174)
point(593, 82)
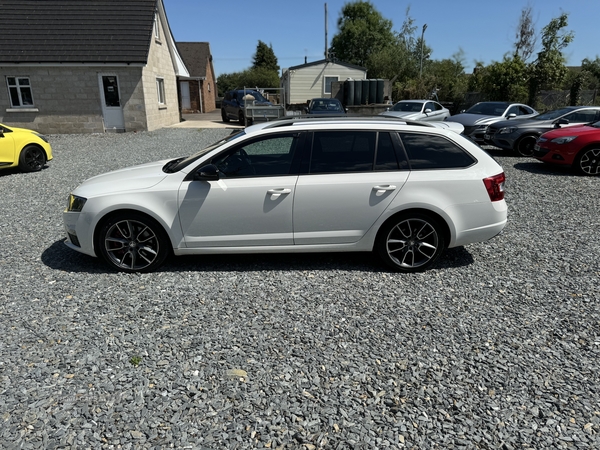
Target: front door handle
point(277, 192)
point(381, 189)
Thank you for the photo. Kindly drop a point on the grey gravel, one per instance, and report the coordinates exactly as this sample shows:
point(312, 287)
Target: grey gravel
point(497, 347)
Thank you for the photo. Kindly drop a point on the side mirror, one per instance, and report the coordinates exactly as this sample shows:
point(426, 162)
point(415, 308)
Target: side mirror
point(511, 115)
point(206, 173)
point(427, 111)
point(462, 110)
point(561, 121)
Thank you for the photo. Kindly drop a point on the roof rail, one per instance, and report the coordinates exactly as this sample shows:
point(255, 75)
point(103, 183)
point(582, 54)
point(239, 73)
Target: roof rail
point(298, 120)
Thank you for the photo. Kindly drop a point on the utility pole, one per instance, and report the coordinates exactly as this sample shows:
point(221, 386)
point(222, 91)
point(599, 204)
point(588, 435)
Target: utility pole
point(422, 34)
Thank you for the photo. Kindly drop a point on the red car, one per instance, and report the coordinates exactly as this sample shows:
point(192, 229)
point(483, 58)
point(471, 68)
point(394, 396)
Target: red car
point(578, 147)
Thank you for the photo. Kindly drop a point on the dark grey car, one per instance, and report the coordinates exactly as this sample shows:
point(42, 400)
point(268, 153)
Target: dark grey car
point(234, 103)
point(479, 116)
point(520, 135)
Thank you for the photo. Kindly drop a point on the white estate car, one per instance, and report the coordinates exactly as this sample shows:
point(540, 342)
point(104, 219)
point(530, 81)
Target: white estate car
point(406, 190)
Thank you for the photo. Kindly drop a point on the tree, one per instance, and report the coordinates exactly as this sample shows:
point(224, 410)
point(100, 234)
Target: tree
point(265, 57)
point(362, 31)
point(506, 80)
point(525, 35)
point(549, 68)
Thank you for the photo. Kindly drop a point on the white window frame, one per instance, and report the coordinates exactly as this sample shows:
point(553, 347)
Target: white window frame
point(325, 77)
point(160, 91)
point(18, 87)
point(156, 27)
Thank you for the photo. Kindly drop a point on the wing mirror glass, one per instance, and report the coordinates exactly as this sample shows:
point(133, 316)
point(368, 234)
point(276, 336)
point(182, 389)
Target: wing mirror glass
point(208, 172)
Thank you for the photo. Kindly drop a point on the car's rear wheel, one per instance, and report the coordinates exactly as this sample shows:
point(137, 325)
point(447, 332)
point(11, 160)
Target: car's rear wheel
point(525, 145)
point(587, 161)
point(411, 242)
point(133, 242)
point(224, 116)
point(32, 159)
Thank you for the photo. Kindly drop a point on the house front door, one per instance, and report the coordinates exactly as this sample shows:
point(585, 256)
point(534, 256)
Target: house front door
point(186, 101)
point(112, 111)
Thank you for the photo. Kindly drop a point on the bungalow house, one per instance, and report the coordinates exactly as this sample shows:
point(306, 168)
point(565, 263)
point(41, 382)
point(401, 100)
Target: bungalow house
point(197, 92)
point(314, 79)
point(72, 66)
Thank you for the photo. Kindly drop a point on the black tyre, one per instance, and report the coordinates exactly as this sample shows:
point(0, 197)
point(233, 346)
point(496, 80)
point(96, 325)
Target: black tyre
point(587, 161)
point(132, 242)
point(32, 159)
point(224, 116)
point(525, 145)
point(411, 242)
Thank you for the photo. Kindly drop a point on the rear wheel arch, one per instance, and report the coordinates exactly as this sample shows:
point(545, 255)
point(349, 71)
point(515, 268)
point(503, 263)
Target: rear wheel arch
point(412, 240)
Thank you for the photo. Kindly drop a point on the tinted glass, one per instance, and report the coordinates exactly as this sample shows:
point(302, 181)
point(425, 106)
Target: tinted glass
point(434, 152)
point(386, 158)
point(583, 116)
point(342, 151)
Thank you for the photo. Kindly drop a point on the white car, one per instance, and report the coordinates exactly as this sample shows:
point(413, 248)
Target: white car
point(426, 110)
point(407, 191)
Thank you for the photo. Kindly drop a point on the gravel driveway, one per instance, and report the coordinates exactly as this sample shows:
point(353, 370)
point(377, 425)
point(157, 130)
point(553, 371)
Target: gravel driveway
point(497, 347)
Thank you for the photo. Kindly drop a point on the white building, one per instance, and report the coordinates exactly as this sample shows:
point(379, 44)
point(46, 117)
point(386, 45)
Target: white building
point(314, 79)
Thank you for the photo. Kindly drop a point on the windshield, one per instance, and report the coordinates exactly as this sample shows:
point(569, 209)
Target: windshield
point(251, 96)
point(553, 114)
point(176, 165)
point(325, 105)
point(407, 107)
point(488, 108)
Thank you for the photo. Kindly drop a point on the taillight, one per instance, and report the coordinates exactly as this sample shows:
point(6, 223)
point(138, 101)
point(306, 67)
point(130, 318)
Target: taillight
point(495, 186)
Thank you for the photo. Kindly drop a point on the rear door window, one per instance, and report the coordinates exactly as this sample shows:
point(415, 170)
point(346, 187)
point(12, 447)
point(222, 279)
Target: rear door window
point(356, 151)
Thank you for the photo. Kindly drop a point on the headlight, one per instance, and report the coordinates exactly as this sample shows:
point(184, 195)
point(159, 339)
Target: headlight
point(563, 140)
point(42, 137)
point(75, 203)
point(507, 130)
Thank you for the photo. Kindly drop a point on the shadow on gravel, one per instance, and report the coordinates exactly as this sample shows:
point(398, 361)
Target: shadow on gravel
point(59, 257)
point(544, 169)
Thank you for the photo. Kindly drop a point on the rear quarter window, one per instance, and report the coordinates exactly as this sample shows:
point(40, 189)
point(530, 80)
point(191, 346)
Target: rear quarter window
point(427, 152)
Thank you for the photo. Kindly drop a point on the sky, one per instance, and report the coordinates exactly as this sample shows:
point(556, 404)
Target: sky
point(483, 29)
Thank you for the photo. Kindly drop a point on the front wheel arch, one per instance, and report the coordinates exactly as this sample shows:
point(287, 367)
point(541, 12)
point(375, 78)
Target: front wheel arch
point(524, 145)
point(592, 168)
point(157, 226)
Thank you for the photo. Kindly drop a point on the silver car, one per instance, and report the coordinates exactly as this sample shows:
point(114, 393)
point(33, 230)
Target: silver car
point(520, 135)
point(425, 110)
point(477, 118)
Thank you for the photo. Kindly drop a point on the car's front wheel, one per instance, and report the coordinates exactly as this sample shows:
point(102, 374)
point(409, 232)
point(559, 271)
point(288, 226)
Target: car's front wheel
point(587, 161)
point(133, 242)
point(224, 116)
point(525, 145)
point(411, 242)
point(32, 159)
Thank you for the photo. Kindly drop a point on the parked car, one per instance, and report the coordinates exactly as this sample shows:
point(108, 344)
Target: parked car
point(578, 147)
point(23, 148)
point(417, 110)
point(477, 118)
point(297, 185)
point(321, 106)
point(234, 103)
point(520, 135)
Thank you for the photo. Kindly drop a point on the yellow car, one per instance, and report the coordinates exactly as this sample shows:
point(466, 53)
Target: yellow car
point(23, 148)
